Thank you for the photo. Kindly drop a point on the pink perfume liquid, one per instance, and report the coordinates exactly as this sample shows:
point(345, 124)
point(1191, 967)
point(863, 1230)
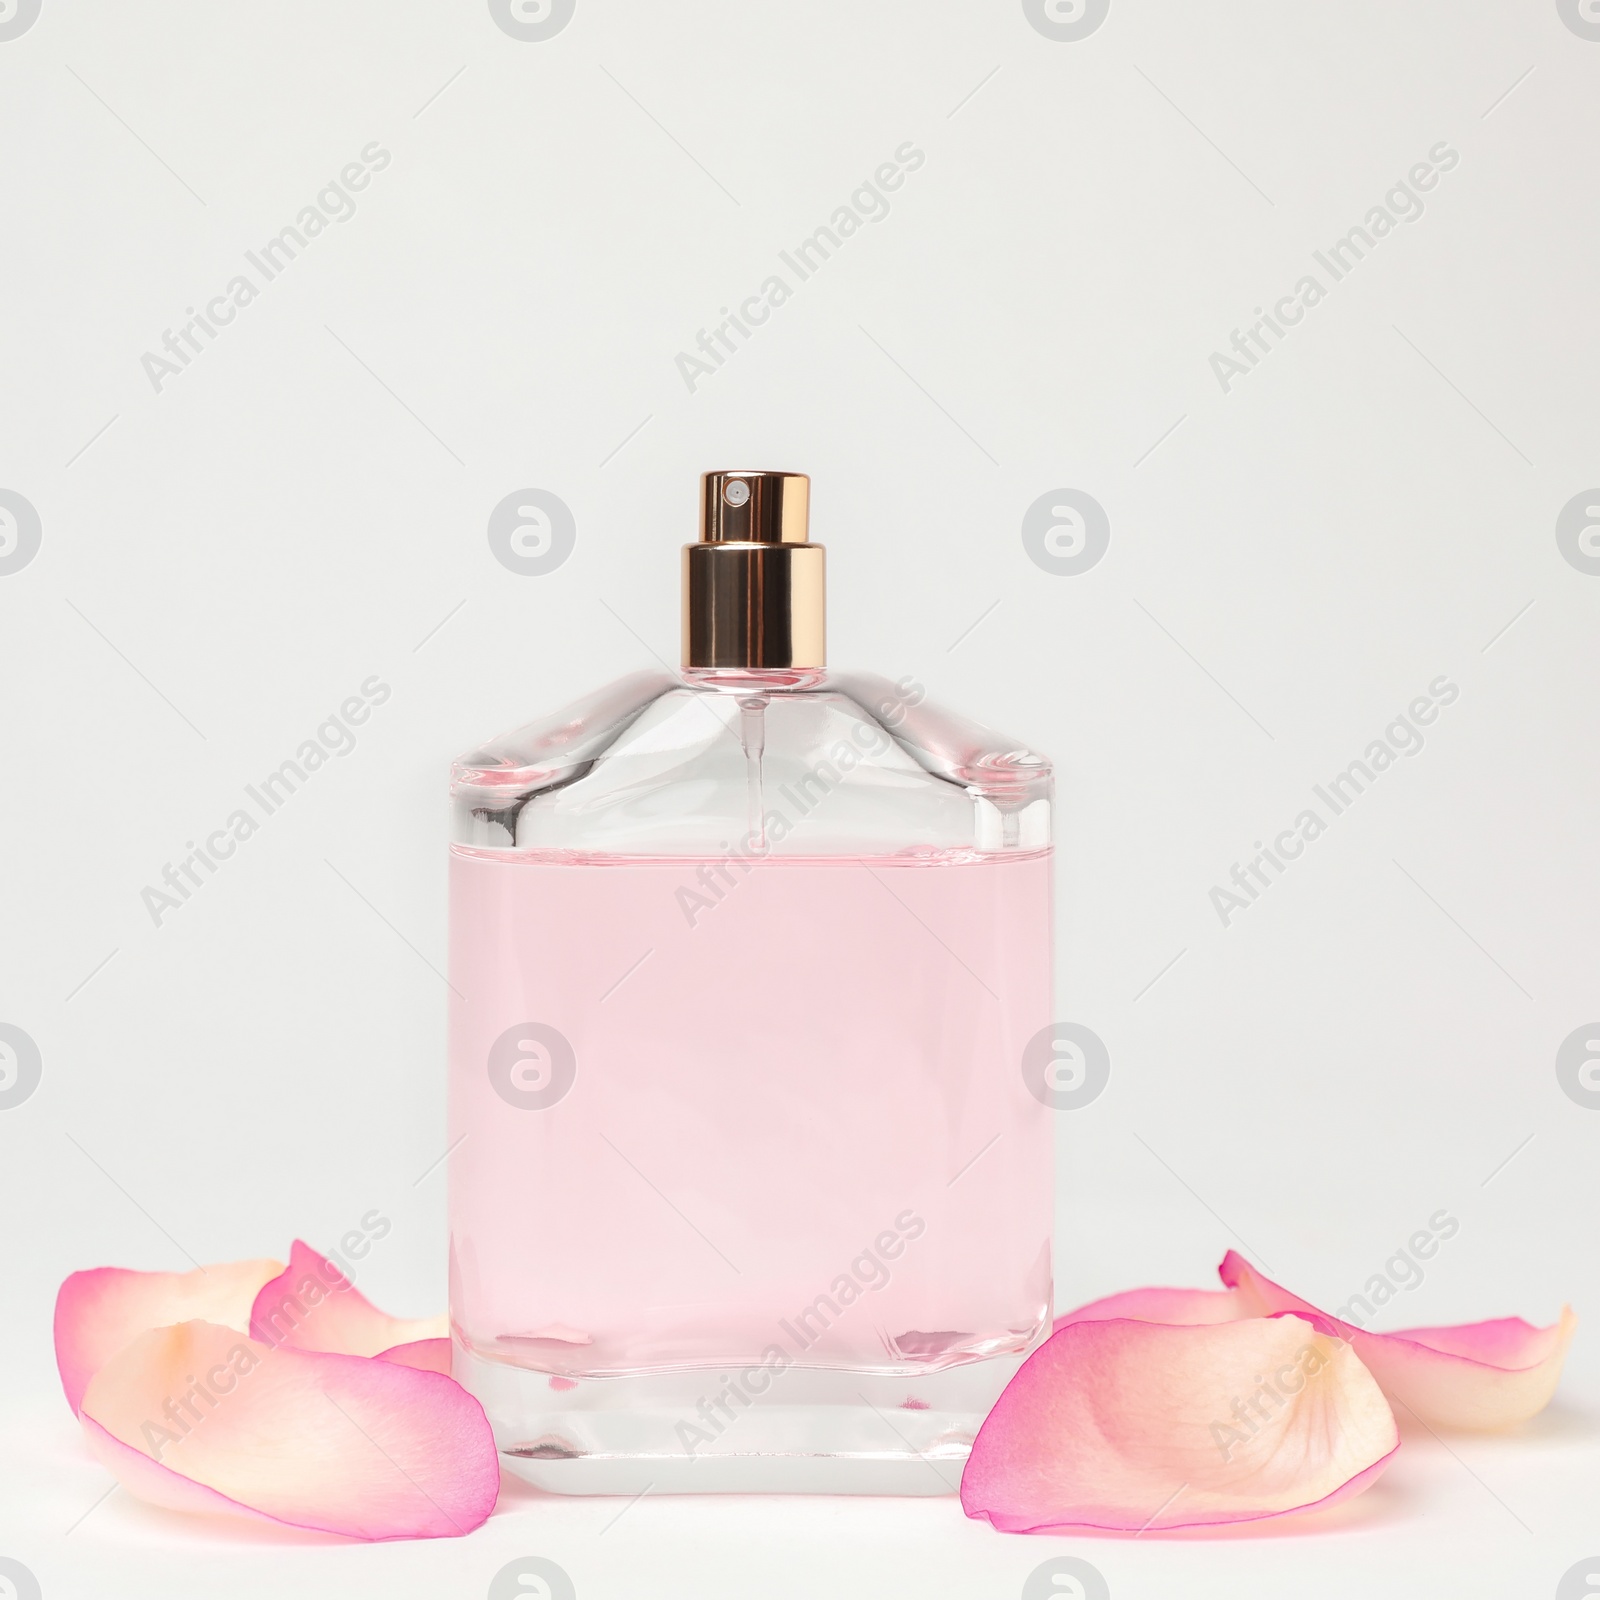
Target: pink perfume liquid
point(722, 1117)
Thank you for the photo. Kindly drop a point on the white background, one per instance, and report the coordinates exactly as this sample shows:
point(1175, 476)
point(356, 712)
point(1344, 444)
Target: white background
point(1294, 561)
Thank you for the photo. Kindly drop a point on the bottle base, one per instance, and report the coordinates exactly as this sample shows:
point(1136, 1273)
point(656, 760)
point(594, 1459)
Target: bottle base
point(886, 1474)
point(809, 1430)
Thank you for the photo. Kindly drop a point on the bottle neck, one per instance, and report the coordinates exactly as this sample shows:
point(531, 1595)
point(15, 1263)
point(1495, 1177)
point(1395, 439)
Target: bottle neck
point(754, 680)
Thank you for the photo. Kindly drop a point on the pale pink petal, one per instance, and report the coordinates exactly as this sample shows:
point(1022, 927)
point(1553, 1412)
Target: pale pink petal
point(1176, 1307)
point(100, 1311)
point(1472, 1375)
point(1506, 1342)
point(203, 1418)
point(311, 1305)
point(158, 1485)
point(1122, 1425)
point(427, 1355)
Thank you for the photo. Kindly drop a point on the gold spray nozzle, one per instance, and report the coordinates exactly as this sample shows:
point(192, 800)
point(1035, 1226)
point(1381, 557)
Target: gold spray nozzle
point(753, 593)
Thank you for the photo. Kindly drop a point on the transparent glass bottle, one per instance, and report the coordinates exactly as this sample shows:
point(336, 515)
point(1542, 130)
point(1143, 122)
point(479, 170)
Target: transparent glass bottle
point(751, 1193)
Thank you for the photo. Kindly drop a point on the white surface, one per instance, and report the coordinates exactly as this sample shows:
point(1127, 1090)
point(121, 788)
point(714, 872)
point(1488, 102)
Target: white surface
point(1367, 509)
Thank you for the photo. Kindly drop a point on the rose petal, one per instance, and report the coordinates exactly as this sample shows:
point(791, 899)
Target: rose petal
point(311, 1305)
point(202, 1418)
point(98, 1312)
point(427, 1355)
point(1472, 1375)
point(1176, 1307)
point(1507, 1342)
point(154, 1483)
point(1130, 1426)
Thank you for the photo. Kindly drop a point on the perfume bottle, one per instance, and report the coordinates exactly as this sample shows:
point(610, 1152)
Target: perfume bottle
point(749, 1189)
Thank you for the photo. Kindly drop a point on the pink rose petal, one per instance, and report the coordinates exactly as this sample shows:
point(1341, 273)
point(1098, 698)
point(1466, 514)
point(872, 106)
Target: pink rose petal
point(426, 1355)
point(99, 1312)
point(1120, 1425)
point(155, 1484)
point(1472, 1375)
point(311, 1305)
point(202, 1418)
point(1176, 1307)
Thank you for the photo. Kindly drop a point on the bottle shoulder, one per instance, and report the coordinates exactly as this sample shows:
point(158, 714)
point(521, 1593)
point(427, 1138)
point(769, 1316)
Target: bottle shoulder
point(805, 761)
